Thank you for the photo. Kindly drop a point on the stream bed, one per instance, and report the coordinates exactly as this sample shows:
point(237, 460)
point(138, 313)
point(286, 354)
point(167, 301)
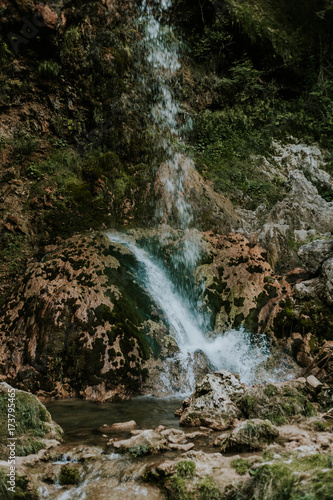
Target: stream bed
point(81, 419)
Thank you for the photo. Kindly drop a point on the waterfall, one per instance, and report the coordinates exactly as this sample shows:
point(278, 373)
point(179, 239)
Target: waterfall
point(233, 350)
point(172, 180)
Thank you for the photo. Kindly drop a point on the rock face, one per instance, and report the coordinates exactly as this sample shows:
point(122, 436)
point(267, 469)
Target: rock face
point(241, 288)
point(314, 254)
point(303, 214)
point(75, 324)
point(220, 400)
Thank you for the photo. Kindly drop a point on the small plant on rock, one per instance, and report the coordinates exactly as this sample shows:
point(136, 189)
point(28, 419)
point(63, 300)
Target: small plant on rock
point(241, 466)
point(139, 450)
point(69, 475)
point(185, 468)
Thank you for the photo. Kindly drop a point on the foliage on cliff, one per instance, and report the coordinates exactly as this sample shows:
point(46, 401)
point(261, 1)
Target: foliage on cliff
point(255, 70)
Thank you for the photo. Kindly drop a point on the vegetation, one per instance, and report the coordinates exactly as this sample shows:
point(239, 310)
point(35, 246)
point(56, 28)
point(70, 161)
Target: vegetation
point(265, 69)
point(139, 450)
point(69, 475)
point(278, 405)
point(241, 465)
point(23, 488)
point(185, 468)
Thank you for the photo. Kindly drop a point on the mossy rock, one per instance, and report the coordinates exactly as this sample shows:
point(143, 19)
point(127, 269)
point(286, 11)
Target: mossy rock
point(252, 434)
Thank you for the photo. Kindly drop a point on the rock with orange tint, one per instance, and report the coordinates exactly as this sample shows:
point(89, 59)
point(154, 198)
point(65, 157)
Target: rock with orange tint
point(241, 288)
point(73, 326)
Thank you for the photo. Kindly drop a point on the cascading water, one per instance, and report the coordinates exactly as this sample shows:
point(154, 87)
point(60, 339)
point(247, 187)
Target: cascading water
point(233, 350)
point(173, 174)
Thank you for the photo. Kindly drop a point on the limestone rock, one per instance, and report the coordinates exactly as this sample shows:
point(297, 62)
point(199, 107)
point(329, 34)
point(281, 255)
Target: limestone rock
point(240, 285)
point(250, 435)
point(35, 431)
point(181, 447)
point(73, 326)
point(314, 254)
point(119, 427)
point(212, 403)
point(149, 440)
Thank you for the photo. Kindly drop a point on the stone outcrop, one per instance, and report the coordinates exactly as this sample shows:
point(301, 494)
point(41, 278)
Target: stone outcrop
point(303, 214)
point(212, 403)
point(75, 324)
point(314, 254)
point(241, 288)
point(220, 400)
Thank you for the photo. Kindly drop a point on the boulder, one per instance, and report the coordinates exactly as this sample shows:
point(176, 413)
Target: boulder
point(34, 430)
point(212, 403)
point(250, 435)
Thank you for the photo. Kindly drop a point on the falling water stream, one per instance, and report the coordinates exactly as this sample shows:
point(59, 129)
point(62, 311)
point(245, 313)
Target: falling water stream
point(233, 350)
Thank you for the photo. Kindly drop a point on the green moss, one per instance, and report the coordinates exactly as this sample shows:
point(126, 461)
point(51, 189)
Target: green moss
point(241, 466)
point(28, 446)
point(320, 426)
point(23, 488)
point(49, 69)
point(139, 450)
point(270, 390)
point(175, 489)
point(185, 469)
point(69, 475)
point(278, 407)
point(208, 489)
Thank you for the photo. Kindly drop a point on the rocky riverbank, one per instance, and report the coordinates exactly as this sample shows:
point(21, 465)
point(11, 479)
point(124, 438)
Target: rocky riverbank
point(233, 441)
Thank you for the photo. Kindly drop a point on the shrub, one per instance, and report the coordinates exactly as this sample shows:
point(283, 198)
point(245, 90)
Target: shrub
point(139, 450)
point(49, 69)
point(208, 489)
point(241, 465)
point(69, 475)
point(185, 469)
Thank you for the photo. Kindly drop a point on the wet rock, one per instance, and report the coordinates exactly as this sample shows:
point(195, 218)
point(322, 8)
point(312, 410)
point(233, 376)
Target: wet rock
point(211, 404)
point(136, 432)
point(147, 441)
point(65, 331)
point(252, 434)
point(241, 287)
point(181, 447)
point(119, 427)
point(174, 436)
